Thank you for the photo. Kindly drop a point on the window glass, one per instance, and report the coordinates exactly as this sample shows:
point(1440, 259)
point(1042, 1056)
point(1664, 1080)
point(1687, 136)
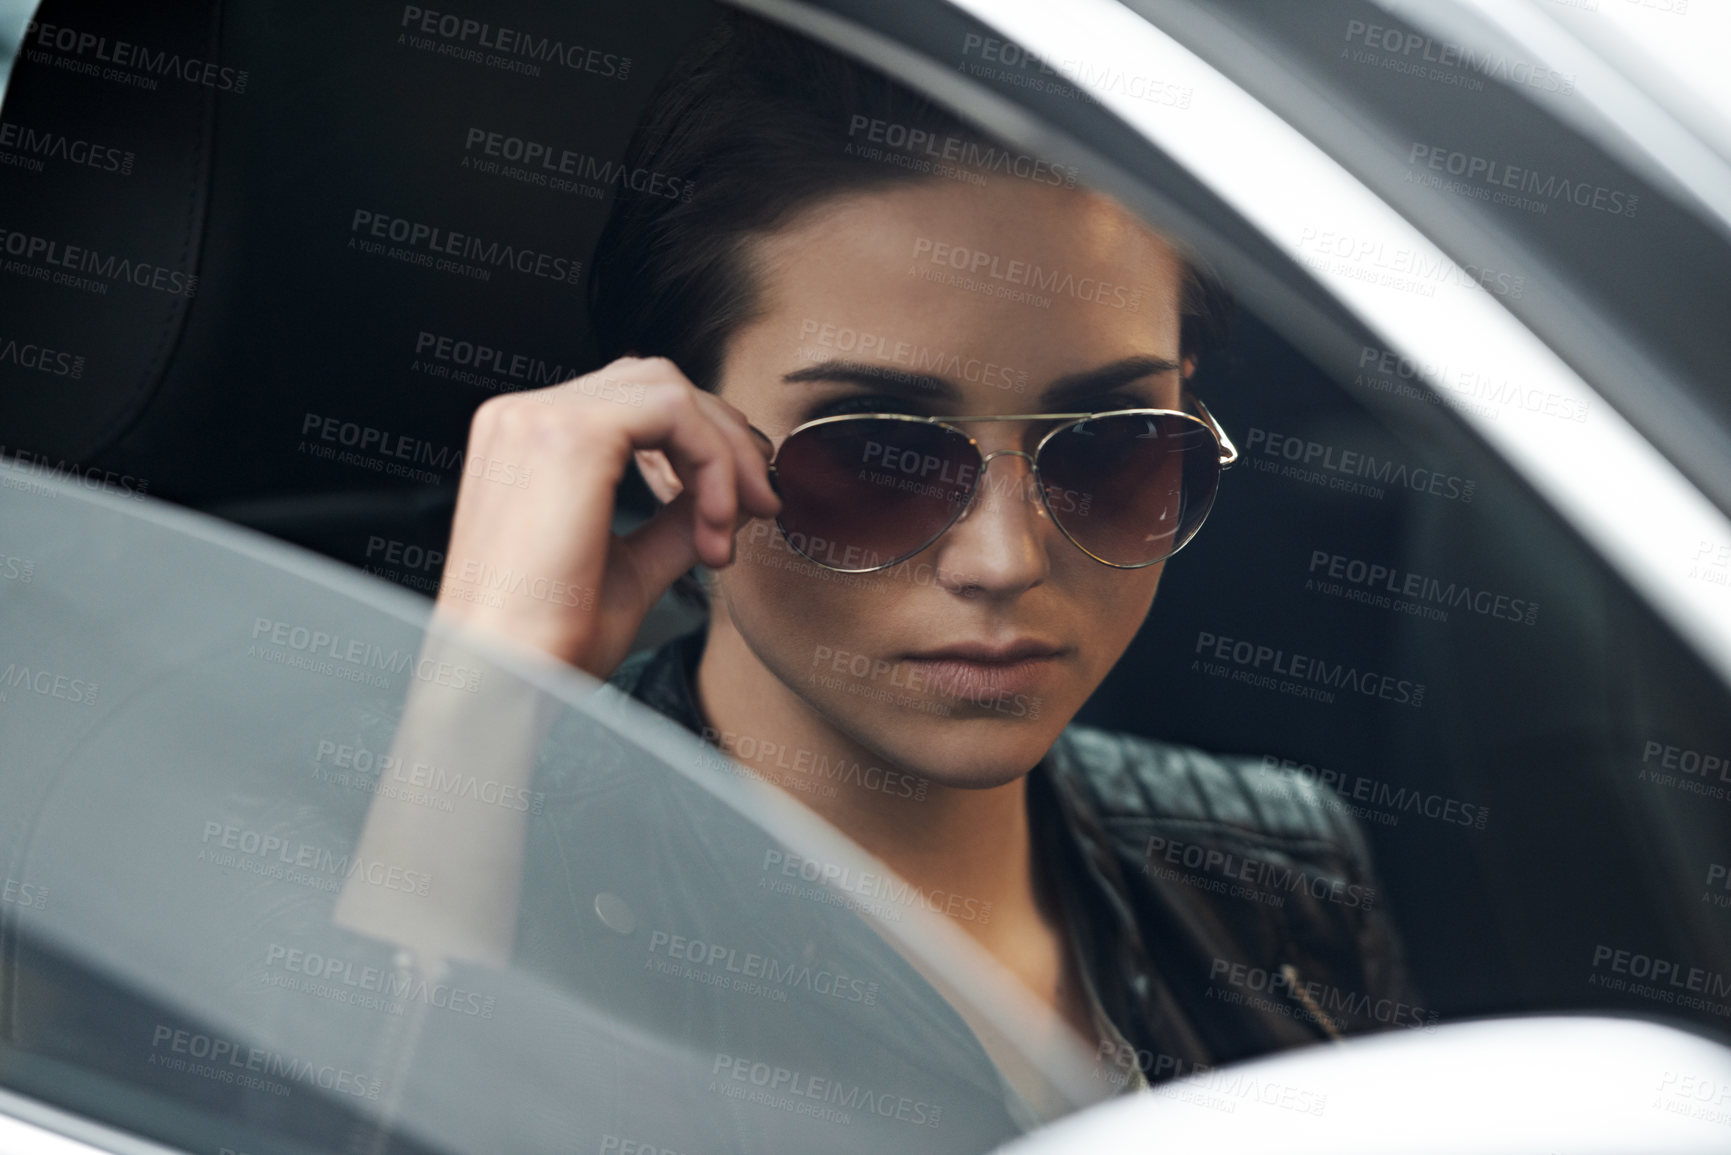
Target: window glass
point(286, 868)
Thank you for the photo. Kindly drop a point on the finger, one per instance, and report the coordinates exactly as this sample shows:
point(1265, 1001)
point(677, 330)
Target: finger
point(718, 501)
point(658, 473)
point(747, 478)
point(708, 444)
point(713, 482)
point(674, 422)
point(663, 547)
point(756, 451)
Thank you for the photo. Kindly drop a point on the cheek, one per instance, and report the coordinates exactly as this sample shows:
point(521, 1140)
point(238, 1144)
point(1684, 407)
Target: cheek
point(785, 603)
point(1111, 605)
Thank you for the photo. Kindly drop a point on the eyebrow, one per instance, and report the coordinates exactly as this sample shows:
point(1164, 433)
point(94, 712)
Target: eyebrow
point(1071, 389)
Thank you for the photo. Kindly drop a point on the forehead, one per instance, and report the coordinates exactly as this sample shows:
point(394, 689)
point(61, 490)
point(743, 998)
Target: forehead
point(1036, 280)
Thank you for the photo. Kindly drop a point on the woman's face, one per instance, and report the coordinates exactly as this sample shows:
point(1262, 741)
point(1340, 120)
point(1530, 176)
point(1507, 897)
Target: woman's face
point(919, 299)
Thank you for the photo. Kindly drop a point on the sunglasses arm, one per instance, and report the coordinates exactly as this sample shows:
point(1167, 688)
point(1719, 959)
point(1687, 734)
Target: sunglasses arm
point(1228, 451)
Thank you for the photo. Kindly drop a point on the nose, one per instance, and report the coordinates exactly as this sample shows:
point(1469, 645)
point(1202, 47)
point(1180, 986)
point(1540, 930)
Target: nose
point(1000, 543)
point(993, 492)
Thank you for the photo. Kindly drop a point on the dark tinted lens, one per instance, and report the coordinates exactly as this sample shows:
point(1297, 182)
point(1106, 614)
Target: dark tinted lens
point(865, 493)
point(1132, 489)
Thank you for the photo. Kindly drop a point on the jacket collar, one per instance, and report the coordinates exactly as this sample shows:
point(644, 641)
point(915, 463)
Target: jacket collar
point(664, 679)
point(1065, 832)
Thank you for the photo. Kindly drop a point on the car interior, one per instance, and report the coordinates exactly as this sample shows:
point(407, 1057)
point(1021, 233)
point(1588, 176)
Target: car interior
point(315, 384)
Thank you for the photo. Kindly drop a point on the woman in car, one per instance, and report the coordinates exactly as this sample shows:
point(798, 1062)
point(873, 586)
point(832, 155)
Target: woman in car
point(927, 602)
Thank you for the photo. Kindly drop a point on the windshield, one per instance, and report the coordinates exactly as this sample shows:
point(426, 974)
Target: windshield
point(195, 728)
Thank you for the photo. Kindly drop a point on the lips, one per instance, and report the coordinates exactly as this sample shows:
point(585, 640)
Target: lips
point(983, 673)
point(986, 654)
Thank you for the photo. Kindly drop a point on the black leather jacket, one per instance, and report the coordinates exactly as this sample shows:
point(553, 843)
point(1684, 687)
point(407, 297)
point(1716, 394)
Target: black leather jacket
point(1223, 908)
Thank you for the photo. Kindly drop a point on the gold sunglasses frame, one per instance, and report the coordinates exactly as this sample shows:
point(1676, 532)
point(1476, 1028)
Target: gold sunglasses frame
point(1228, 455)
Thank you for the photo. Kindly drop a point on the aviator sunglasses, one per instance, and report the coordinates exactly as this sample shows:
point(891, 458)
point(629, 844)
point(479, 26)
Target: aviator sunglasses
point(1129, 487)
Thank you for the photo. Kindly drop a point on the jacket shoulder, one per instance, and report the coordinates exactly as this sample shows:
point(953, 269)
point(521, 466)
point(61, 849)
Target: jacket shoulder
point(1129, 780)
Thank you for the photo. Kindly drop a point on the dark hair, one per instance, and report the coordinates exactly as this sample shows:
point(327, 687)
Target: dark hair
point(748, 127)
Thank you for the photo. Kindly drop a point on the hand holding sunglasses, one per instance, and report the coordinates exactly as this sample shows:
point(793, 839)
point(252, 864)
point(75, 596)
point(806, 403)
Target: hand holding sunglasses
point(1128, 487)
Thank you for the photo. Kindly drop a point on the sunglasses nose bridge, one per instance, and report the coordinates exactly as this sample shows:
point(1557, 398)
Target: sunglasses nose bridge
point(987, 458)
point(983, 486)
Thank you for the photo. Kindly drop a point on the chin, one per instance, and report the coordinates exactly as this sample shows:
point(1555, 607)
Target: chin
point(978, 750)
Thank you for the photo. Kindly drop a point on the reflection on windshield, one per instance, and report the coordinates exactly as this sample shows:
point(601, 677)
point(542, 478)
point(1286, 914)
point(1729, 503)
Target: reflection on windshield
point(206, 941)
